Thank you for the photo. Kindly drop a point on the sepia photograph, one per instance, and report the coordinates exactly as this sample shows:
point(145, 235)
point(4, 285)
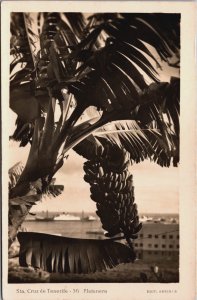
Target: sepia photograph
point(93, 149)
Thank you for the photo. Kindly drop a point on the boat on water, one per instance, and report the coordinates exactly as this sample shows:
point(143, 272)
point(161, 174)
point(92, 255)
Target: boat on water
point(144, 219)
point(88, 219)
point(67, 217)
point(44, 218)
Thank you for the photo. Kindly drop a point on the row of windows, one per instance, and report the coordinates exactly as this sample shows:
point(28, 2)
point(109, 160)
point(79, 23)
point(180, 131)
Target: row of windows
point(164, 236)
point(162, 253)
point(156, 245)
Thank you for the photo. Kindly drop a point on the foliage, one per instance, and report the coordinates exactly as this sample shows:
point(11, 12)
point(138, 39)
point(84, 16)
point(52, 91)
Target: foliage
point(101, 63)
point(68, 255)
point(109, 62)
point(19, 207)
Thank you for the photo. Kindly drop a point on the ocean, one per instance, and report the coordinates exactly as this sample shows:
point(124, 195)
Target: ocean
point(77, 229)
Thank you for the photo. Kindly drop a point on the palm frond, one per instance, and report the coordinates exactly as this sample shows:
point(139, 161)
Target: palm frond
point(56, 38)
point(22, 48)
point(77, 23)
point(162, 113)
point(24, 103)
point(110, 77)
point(153, 133)
point(25, 200)
point(119, 63)
point(15, 173)
point(18, 210)
point(141, 143)
point(23, 132)
point(28, 100)
point(55, 190)
point(69, 255)
point(129, 136)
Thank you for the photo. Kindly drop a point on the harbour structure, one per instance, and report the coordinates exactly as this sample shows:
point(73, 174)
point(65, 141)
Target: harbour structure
point(158, 241)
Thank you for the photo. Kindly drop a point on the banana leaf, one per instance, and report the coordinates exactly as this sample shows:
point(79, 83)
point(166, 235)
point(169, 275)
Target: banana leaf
point(53, 253)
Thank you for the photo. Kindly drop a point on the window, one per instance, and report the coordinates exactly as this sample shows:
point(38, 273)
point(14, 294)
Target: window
point(150, 236)
point(149, 252)
point(149, 245)
point(156, 236)
point(163, 246)
point(177, 246)
point(136, 244)
point(163, 236)
point(141, 244)
point(170, 236)
point(141, 235)
point(155, 252)
point(156, 246)
point(171, 246)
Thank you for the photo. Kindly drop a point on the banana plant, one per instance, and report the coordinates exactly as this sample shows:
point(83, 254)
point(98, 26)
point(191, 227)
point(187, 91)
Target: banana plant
point(36, 89)
point(73, 63)
point(19, 207)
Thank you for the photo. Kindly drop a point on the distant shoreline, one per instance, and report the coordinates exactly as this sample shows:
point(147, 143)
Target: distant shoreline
point(92, 212)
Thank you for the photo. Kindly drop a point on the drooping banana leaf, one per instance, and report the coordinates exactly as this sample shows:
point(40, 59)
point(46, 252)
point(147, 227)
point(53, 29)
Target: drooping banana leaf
point(70, 255)
point(152, 134)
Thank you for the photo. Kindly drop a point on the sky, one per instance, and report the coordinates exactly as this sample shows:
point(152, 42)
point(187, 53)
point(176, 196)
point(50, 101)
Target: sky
point(156, 188)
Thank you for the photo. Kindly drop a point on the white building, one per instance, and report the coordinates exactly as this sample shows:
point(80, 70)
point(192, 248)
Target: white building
point(158, 241)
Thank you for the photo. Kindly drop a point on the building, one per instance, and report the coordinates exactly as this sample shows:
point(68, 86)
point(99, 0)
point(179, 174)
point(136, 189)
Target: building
point(158, 241)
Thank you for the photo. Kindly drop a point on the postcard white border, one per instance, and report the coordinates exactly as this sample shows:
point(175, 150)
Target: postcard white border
point(135, 291)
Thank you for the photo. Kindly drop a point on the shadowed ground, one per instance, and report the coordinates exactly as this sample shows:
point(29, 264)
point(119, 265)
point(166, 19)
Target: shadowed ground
point(130, 272)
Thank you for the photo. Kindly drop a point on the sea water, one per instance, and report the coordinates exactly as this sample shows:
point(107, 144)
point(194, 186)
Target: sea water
point(78, 229)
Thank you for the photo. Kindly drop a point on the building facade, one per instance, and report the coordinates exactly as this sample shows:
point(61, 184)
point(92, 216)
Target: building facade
point(158, 241)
